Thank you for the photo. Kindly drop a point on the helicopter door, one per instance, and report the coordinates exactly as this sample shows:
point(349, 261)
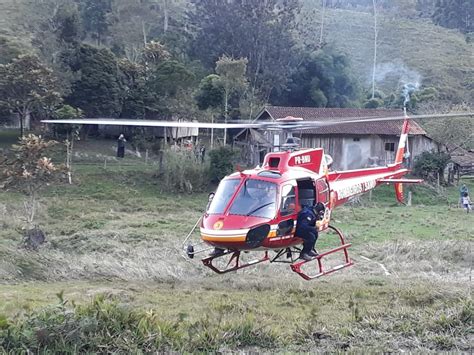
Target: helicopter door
point(306, 193)
point(287, 209)
point(322, 188)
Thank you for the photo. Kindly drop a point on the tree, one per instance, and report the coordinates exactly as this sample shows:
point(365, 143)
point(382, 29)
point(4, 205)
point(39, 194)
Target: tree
point(210, 93)
point(29, 172)
point(27, 85)
point(456, 14)
point(323, 79)
point(55, 26)
point(9, 50)
point(233, 80)
point(411, 96)
point(169, 82)
point(260, 31)
point(222, 162)
point(431, 165)
point(95, 15)
point(71, 131)
point(135, 94)
point(97, 89)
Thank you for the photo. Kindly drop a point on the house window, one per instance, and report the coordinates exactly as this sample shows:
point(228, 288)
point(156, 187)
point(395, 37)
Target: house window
point(390, 147)
point(356, 139)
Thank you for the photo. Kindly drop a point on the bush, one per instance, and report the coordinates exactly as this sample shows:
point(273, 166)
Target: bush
point(429, 164)
point(182, 172)
point(222, 162)
point(105, 326)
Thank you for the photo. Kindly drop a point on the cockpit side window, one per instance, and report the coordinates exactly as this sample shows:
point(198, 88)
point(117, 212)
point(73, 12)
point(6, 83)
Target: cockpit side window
point(288, 200)
point(224, 193)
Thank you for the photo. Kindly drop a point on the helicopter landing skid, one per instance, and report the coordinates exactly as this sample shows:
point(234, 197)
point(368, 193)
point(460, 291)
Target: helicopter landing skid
point(297, 267)
point(235, 258)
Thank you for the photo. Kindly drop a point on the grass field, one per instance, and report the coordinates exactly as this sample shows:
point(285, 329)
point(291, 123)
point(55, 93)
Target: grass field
point(113, 264)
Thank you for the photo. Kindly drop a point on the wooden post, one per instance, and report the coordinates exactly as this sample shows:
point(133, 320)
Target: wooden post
point(409, 199)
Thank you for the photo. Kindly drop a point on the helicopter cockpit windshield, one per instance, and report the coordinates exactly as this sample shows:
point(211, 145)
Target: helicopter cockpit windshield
point(224, 193)
point(256, 198)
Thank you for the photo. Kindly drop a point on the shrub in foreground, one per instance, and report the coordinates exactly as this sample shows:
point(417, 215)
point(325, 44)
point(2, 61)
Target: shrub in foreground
point(106, 326)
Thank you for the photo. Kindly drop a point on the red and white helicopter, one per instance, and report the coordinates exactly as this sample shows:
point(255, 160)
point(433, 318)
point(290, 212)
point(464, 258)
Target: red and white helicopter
point(256, 209)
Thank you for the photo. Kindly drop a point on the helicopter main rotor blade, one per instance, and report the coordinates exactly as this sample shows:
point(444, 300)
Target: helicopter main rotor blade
point(270, 125)
point(152, 123)
point(378, 119)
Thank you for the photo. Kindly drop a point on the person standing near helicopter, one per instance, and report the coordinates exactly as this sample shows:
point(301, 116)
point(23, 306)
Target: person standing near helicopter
point(306, 229)
point(121, 146)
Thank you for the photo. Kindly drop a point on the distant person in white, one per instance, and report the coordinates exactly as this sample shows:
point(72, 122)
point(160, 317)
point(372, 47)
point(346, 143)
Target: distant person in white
point(466, 202)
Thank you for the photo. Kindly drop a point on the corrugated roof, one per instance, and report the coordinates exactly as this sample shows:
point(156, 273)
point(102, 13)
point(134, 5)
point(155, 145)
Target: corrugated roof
point(328, 114)
point(464, 160)
point(460, 155)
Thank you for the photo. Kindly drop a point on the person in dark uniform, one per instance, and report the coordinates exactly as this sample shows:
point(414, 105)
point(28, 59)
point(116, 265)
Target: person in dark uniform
point(306, 229)
point(202, 152)
point(121, 146)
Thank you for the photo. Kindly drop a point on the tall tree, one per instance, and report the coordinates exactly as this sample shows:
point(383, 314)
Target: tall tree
point(97, 89)
point(95, 16)
point(233, 80)
point(323, 79)
point(27, 85)
point(210, 93)
point(55, 26)
point(260, 31)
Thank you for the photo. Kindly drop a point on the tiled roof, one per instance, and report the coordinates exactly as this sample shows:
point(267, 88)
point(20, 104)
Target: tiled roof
point(328, 114)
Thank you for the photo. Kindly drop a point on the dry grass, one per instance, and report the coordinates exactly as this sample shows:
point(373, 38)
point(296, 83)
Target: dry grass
point(107, 237)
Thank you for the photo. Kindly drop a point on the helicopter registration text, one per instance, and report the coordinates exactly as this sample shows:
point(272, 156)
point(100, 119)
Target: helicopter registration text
point(356, 189)
point(302, 159)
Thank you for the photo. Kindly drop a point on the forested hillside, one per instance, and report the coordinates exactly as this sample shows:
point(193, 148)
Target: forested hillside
point(200, 58)
point(411, 50)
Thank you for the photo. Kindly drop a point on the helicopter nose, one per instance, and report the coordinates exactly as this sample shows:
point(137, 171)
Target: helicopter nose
point(257, 235)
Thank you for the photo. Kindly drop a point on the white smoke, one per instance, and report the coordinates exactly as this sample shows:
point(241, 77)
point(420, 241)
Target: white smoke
point(408, 80)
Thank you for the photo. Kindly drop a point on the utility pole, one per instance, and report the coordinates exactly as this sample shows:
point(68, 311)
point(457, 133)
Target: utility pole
point(375, 48)
point(322, 24)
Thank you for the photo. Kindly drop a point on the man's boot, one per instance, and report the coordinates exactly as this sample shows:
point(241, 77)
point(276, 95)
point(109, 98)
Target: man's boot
point(305, 257)
point(313, 253)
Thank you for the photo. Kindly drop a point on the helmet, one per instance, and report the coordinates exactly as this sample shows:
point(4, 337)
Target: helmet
point(319, 207)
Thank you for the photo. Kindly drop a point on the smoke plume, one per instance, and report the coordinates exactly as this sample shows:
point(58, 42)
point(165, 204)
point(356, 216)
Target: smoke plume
point(408, 80)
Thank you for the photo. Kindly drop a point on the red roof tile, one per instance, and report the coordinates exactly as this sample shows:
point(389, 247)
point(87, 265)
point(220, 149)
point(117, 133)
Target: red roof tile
point(328, 114)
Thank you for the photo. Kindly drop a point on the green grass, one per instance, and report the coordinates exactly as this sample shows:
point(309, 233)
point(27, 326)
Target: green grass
point(372, 314)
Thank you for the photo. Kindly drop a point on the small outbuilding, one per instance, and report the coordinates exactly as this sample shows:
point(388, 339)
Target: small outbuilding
point(461, 164)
